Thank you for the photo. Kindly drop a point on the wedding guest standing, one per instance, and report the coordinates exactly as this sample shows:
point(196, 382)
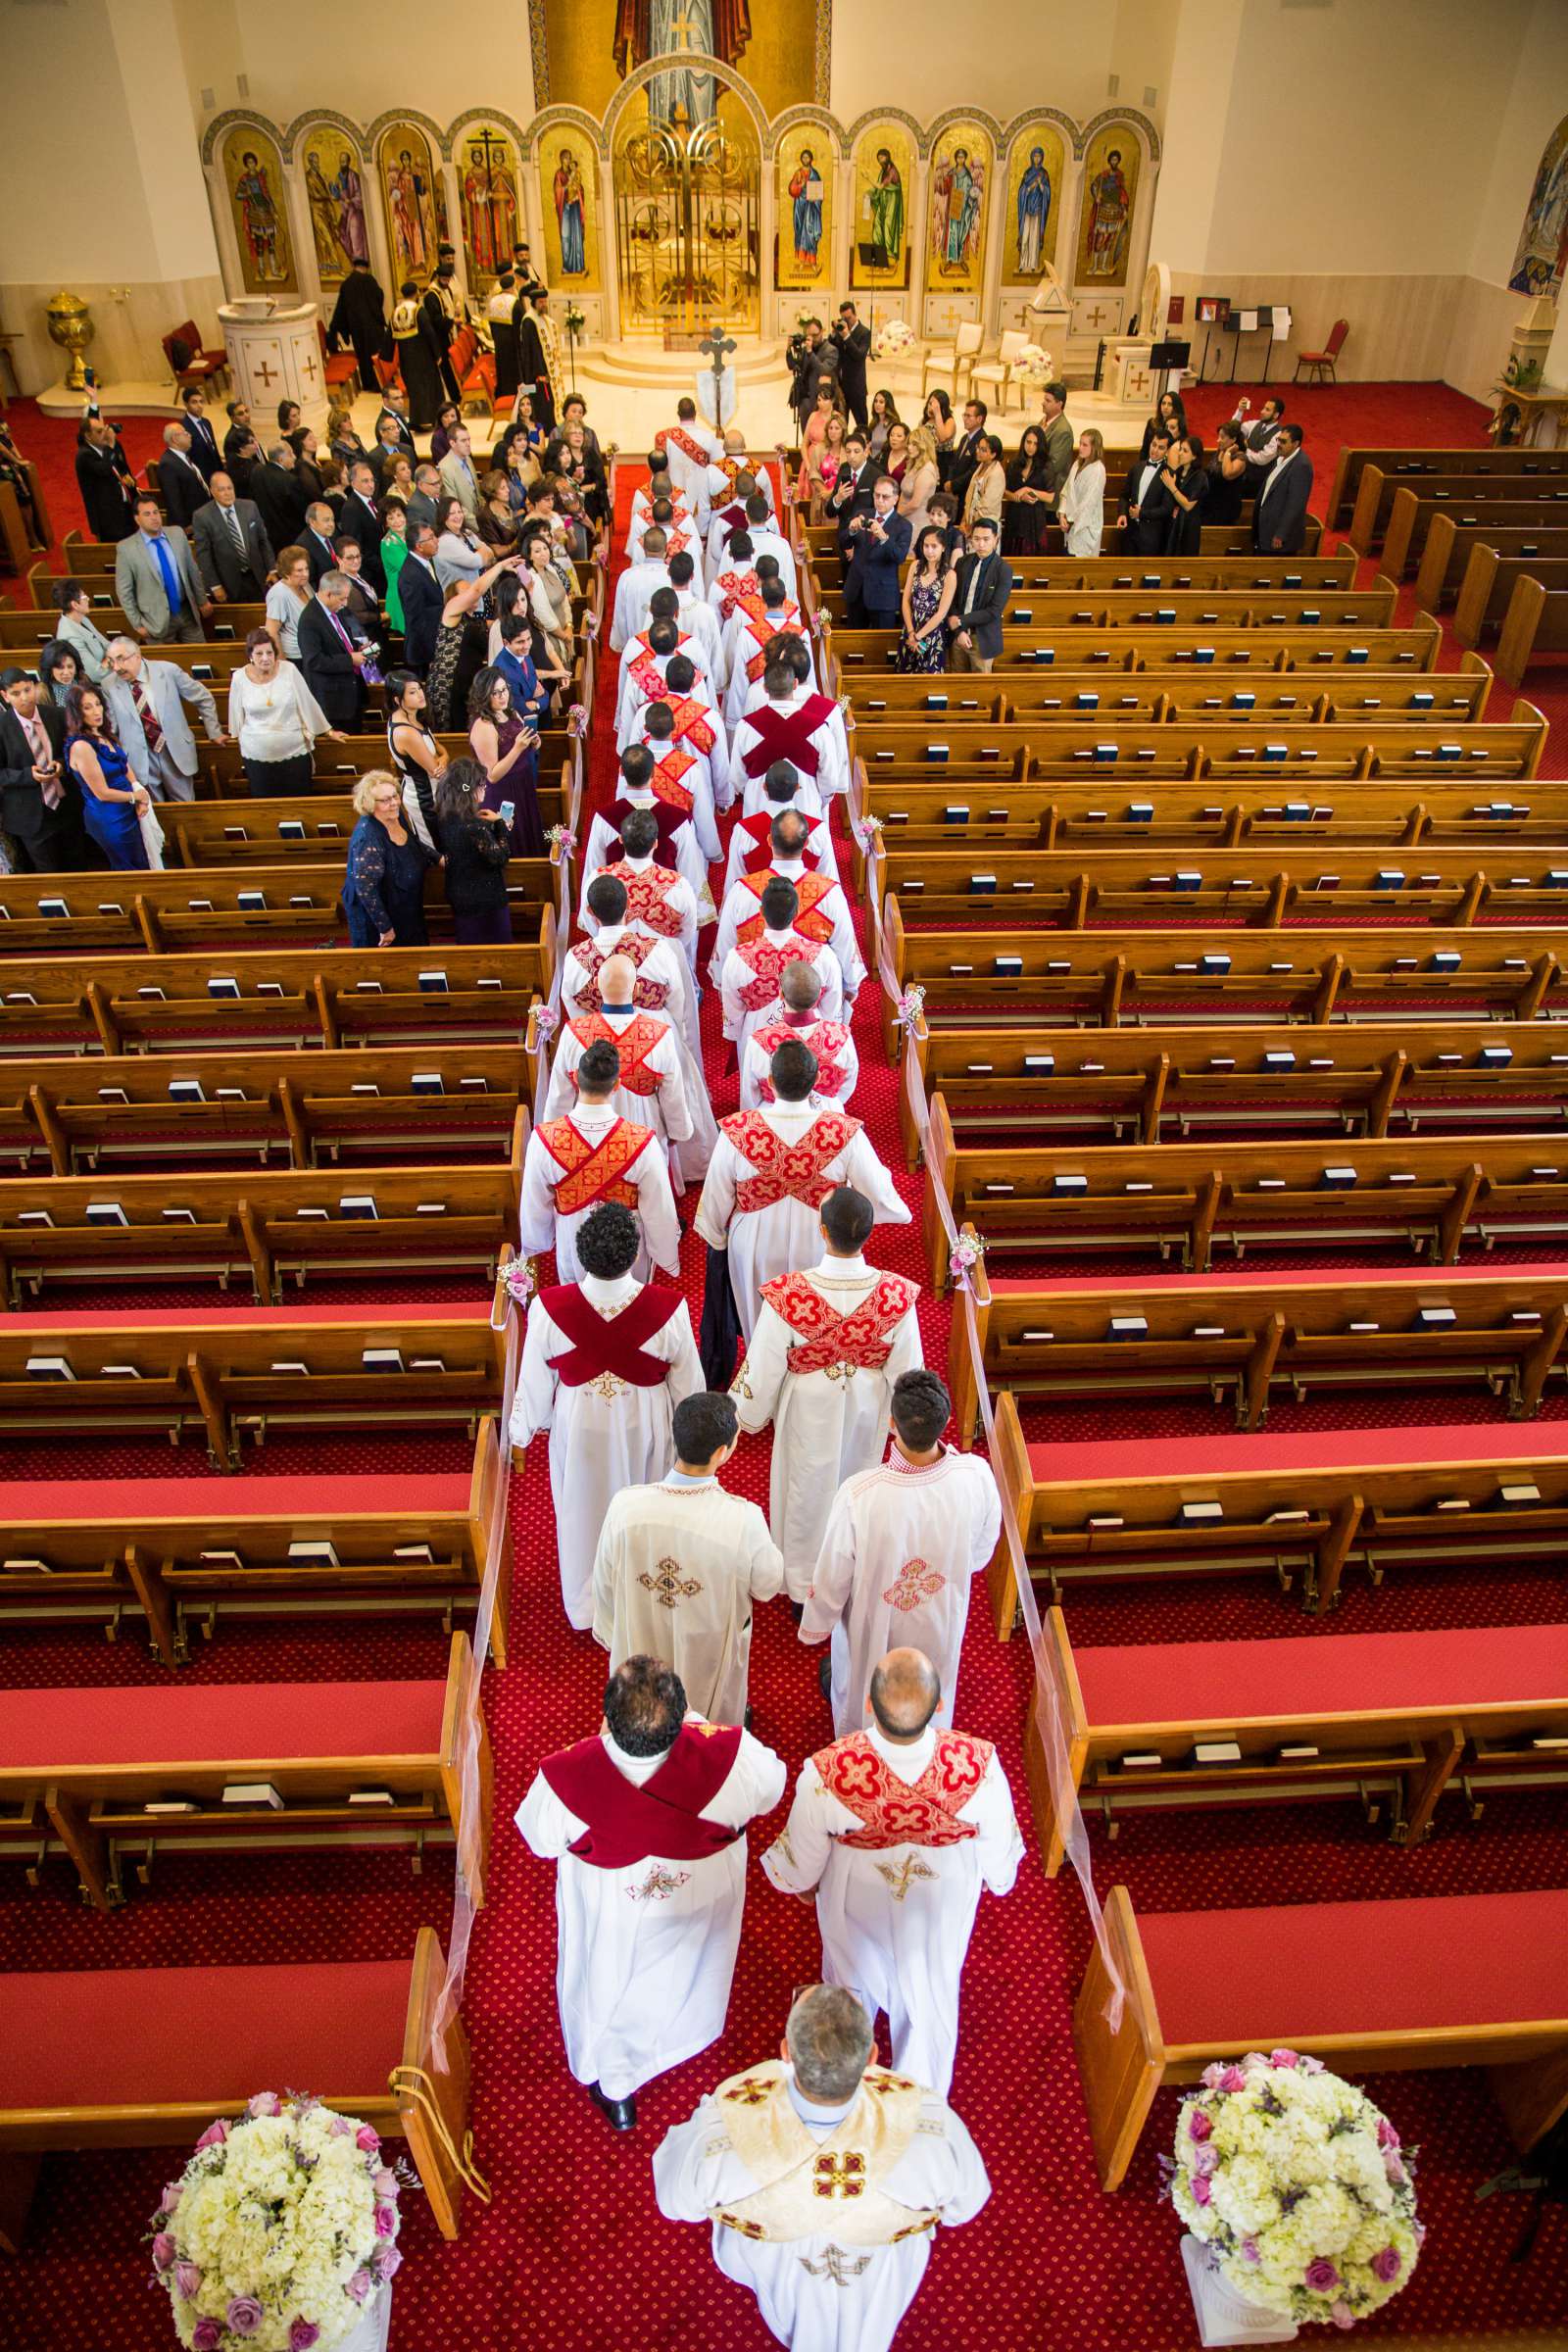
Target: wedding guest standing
point(928, 591)
point(275, 720)
point(1081, 501)
point(384, 892)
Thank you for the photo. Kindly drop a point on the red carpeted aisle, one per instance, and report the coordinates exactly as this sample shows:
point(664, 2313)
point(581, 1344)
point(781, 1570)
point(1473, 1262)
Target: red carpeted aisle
point(572, 2256)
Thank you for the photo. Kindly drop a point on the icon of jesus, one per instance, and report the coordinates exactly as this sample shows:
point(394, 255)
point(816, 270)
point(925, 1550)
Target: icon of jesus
point(646, 30)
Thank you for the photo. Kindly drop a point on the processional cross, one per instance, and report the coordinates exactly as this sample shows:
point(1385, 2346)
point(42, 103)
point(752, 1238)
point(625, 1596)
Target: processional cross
point(716, 343)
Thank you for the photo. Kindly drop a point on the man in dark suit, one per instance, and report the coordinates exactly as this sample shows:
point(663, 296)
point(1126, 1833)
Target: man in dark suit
point(420, 594)
point(358, 318)
point(439, 314)
point(276, 488)
point(316, 540)
point(965, 459)
point(1146, 506)
point(203, 439)
point(329, 656)
point(239, 437)
point(359, 518)
point(107, 484)
point(1279, 518)
point(230, 541)
point(180, 480)
point(980, 599)
point(854, 340)
point(849, 501)
point(872, 587)
point(395, 411)
point(40, 805)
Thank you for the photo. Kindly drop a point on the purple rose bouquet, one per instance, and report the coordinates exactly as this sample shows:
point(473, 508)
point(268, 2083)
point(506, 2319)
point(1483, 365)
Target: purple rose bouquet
point(1298, 2187)
point(288, 2177)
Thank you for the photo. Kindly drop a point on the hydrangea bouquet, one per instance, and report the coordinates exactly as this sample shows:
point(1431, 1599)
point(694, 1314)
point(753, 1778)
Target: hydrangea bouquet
point(1034, 365)
point(893, 339)
point(281, 2232)
point(1297, 2184)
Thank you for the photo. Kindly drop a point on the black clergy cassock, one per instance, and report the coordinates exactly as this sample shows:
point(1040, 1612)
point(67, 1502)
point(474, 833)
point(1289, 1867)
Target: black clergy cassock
point(359, 320)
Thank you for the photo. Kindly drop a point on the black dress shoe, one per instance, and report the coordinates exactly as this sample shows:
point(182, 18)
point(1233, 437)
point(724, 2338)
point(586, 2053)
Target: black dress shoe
point(620, 2114)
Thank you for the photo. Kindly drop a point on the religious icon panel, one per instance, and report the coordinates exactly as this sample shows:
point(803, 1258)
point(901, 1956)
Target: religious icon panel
point(253, 170)
point(1105, 221)
point(1537, 265)
point(583, 50)
point(488, 181)
point(415, 204)
point(334, 189)
point(568, 190)
point(959, 192)
point(805, 251)
point(884, 176)
point(1037, 171)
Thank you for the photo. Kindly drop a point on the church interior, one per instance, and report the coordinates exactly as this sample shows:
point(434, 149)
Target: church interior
point(1196, 983)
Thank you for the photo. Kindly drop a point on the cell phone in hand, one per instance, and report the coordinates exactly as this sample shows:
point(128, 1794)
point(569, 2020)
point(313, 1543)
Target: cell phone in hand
point(509, 810)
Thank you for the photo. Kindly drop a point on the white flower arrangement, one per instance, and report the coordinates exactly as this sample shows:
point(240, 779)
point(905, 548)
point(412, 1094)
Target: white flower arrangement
point(280, 2231)
point(894, 339)
point(1034, 365)
point(1298, 2187)
point(521, 1279)
point(867, 832)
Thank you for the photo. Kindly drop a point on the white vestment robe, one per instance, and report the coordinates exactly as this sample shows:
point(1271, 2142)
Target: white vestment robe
point(755, 1068)
point(695, 771)
point(680, 904)
point(826, 1425)
point(604, 848)
point(813, 2294)
point(642, 516)
point(544, 1226)
point(742, 906)
point(827, 739)
point(645, 1956)
point(901, 1546)
point(738, 980)
point(699, 622)
point(745, 640)
point(678, 1109)
point(786, 1236)
point(632, 692)
point(663, 966)
point(604, 1434)
point(679, 1567)
point(818, 846)
point(896, 1920)
point(722, 490)
point(634, 594)
point(690, 474)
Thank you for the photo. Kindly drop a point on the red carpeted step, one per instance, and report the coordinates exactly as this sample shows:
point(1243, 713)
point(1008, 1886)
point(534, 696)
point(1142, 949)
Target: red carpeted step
point(238, 1723)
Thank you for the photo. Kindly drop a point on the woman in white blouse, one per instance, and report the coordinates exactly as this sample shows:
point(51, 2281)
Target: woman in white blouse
point(458, 553)
point(274, 718)
point(1081, 506)
point(287, 600)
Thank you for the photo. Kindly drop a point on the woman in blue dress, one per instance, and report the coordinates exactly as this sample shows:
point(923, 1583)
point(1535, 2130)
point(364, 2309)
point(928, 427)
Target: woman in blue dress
point(383, 890)
point(112, 800)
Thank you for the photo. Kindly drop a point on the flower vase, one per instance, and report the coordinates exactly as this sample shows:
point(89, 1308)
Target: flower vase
point(370, 2335)
point(1223, 2315)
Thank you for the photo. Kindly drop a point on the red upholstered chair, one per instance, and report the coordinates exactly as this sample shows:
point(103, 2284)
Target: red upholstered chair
point(340, 368)
point(190, 362)
point(474, 369)
point(387, 374)
point(1321, 363)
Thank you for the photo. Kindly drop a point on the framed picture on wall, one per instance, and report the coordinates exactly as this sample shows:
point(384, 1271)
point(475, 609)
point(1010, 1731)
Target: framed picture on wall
point(1212, 308)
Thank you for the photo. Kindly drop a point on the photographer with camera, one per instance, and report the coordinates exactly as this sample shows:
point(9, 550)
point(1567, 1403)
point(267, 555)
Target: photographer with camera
point(853, 340)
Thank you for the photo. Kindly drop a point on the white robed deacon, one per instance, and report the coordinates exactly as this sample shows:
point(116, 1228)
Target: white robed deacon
point(665, 982)
point(823, 907)
point(696, 618)
point(680, 1563)
point(636, 587)
point(750, 980)
point(795, 1012)
point(575, 1163)
point(646, 1826)
point(658, 902)
point(677, 828)
point(772, 1169)
point(690, 448)
point(902, 1543)
point(824, 2178)
point(643, 665)
point(791, 721)
point(651, 1090)
point(599, 1392)
point(751, 841)
point(827, 1351)
point(896, 1829)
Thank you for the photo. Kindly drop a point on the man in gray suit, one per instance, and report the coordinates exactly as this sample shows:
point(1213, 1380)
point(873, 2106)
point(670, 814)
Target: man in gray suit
point(232, 548)
point(156, 580)
point(146, 698)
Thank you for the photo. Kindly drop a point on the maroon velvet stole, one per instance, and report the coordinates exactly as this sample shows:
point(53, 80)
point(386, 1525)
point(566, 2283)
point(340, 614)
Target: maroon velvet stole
point(609, 1343)
point(629, 1825)
point(669, 822)
point(786, 735)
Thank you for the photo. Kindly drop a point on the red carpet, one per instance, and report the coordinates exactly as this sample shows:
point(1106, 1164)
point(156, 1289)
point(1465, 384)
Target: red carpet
point(571, 2256)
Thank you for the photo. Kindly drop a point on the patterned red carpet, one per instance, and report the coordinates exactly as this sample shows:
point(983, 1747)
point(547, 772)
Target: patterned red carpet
point(571, 2256)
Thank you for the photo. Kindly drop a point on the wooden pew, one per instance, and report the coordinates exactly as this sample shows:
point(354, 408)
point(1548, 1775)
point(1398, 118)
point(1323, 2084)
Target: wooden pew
point(92, 1773)
point(86, 2061)
point(221, 1373)
point(1240, 1338)
point(1540, 522)
point(74, 1113)
point(1391, 1721)
point(1401, 465)
point(1486, 589)
point(1076, 891)
point(1443, 1980)
point(1451, 549)
point(1231, 561)
point(311, 829)
point(967, 749)
point(231, 998)
point(1147, 696)
point(854, 653)
point(25, 628)
point(190, 1550)
point(1536, 622)
point(241, 905)
point(1427, 1194)
point(1377, 490)
point(1180, 814)
point(273, 1226)
point(1006, 1082)
point(1304, 1504)
point(1036, 614)
point(1049, 979)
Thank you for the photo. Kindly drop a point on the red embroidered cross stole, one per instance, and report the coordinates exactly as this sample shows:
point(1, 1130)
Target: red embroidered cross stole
point(895, 1812)
point(668, 768)
point(616, 1344)
point(735, 584)
point(762, 631)
point(666, 815)
point(649, 995)
point(693, 723)
point(862, 1338)
point(786, 735)
point(662, 1819)
point(593, 1171)
point(810, 920)
point(648, 895)
point(680, 438)
point(766, 963)
point(634, 1044)
point(786, 1171)
point(825, 1038)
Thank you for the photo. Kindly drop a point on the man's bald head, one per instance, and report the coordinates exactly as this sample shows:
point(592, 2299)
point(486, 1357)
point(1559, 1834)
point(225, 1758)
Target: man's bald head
point(616, 979)
point(905, 1691)
point(798, 986)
